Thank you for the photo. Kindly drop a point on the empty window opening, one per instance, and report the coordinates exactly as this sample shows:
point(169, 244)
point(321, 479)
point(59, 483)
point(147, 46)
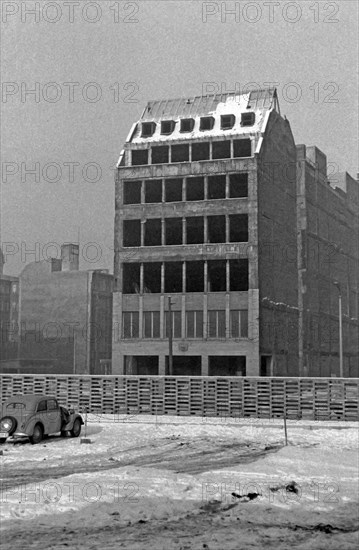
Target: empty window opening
point(42, 406)
point(131, 278)
point(167, 127)
point(195, 276)
point(194, 324)
point(190, 365)
point(173, 231)
point(131, 192)
point(160, 154)
point(151, 324)
point(153, 232)
point(217, 276)
point(227, 122)
point(130, 324)
point(148, 129)
point(141, 365)
point(180, 153)
point(238, 185)
point(238, 228)
point(216, 229)
point(227, 365)
point(153, 191)
point(217, 324)
point(187, 125)
point(248, 119)
point(242, 148)
point(173, 277)
point(132, 233)
point(217, 187)
point(195, 230)
point(176, 324)
point(139, 156)
point(195, 188)
point(206, 123)
point(221, 150)
point(200, 151)
point(238, 270)
point(239, 323)
point(173, 190)
point(152, 277)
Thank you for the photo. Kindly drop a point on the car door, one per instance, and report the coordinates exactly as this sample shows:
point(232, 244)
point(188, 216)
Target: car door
point(41, 415)
point(54, 416)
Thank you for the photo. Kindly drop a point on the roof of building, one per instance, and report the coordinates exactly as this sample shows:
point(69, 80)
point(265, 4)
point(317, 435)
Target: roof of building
point(207, 104)
point(258, 102)
point(28, 398)
point(10, 278)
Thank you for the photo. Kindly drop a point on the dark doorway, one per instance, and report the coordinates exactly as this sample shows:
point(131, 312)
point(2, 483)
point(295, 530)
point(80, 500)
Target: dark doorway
point(190, 365)
point(146, 365)
point(227, 365)
point(266, 364)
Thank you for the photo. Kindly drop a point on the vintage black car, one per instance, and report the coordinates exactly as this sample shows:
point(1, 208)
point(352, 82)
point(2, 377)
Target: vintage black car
point(35, 416)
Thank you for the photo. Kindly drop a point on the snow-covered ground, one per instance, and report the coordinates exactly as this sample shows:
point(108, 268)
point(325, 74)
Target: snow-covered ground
point(184, 483)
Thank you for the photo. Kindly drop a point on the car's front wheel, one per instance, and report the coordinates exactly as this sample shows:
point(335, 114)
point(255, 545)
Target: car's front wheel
point(76, 428)
point(37, 434)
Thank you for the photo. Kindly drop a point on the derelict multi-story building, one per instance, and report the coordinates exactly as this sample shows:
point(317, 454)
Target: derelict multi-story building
point(328, 266)
point(206, 216)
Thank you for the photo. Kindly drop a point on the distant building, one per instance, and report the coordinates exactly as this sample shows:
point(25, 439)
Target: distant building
point(9, 316)
point(328, 252)
point(66, 317)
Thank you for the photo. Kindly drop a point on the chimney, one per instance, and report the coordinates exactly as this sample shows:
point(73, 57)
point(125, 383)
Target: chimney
point(56, 264)
point(319, 159)
point(70, 257)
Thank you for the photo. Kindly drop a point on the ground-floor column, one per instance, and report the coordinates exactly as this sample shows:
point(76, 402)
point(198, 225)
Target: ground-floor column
point(205, 365)
point(161, 365)
point(117, 361)
point(252, 364)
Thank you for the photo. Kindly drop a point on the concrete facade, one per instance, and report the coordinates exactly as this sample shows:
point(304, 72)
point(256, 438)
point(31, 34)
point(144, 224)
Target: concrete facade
point(204, 218)
point(328, 253)
point(9, 314)
point(65, 317)
point(9, 317)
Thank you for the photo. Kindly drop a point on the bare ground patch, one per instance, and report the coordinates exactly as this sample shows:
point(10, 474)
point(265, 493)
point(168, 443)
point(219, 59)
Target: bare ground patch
point(178, 455)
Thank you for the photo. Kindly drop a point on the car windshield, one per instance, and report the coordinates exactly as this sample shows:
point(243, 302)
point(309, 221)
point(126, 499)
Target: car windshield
point(13, 406)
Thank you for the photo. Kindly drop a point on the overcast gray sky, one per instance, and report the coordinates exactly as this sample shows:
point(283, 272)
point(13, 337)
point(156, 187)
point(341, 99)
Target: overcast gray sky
point(108, 58)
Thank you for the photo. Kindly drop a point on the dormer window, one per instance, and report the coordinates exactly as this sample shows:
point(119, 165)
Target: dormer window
point(187, 125)
point(148, 129)
point(206, 123)
point(227, 122)
point(248, 119)
point(167, 127)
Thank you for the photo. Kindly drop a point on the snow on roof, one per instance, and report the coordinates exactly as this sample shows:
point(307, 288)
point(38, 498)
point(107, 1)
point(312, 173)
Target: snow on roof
point(258, 102)
point(207, 104)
